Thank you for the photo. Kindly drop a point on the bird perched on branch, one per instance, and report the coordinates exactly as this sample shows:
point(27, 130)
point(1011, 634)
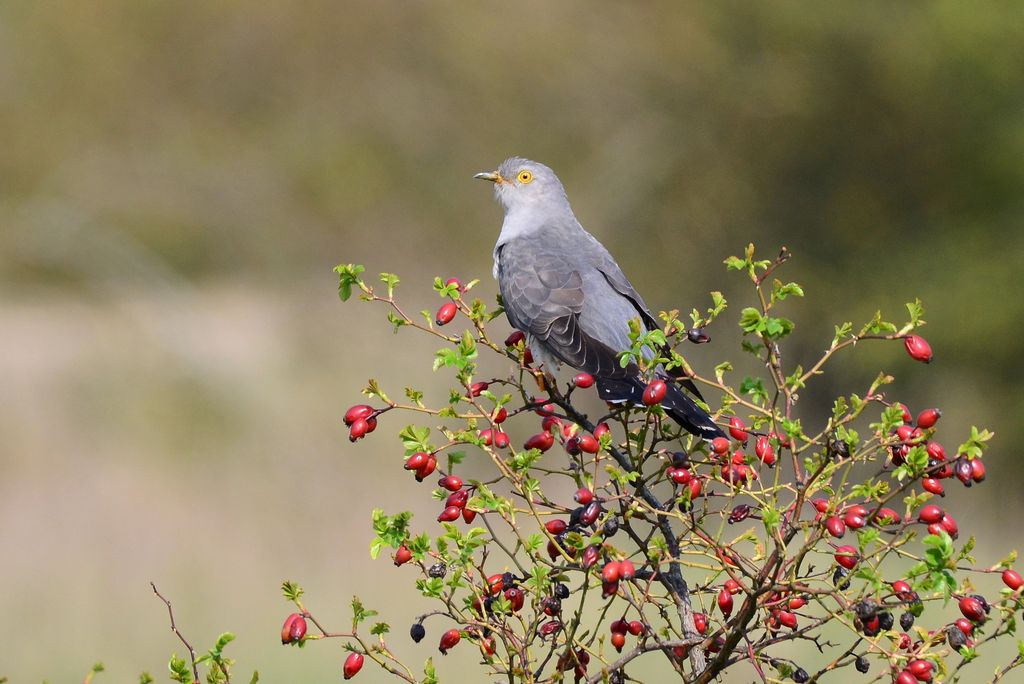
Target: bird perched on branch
point(562, 288)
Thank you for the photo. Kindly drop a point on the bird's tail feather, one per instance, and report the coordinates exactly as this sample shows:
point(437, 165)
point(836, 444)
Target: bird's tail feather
point(677, 404)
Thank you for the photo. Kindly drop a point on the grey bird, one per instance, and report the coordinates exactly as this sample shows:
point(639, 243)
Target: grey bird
point(562, 288)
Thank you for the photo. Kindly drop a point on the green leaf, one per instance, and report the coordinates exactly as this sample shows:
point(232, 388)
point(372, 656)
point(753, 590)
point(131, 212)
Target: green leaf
point(429, 672)
point(842, 331)
point(391, 280)
point(781, 291)
point(750, 320)
point(916, 312)
point(348, 275)
point(735, 264)
point(380, 628)
point(359, 612)
point(292, 591)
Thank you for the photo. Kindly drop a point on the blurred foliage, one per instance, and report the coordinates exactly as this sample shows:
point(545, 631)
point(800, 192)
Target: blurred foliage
point(172, 147)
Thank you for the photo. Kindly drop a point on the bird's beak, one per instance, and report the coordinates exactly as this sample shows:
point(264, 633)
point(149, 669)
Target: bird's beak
point(492, 176)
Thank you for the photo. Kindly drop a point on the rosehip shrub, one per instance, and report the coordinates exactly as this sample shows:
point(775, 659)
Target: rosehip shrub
point(610, 536)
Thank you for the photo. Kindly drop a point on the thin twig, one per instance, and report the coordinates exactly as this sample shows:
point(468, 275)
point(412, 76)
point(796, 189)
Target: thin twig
point(174, 628)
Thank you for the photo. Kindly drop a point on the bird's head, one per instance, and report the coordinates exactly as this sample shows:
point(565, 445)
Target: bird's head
point(520, 183)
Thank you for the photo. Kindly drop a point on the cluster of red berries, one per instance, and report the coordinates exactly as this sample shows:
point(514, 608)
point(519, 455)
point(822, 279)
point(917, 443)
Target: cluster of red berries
point(914, 433)
point(620, 628)
point(294, 629)
point(361, 420)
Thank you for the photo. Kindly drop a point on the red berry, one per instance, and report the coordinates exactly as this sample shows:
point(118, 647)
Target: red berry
point(847, 557)
point(931, 484)
point(695, 487)
point(556, 526)
point(905, 677)
point(528, 357)
point(478, 388)
point(679, 475)
point(590, 556)
point(611, 571)
point(601, 430)
point(927, 419)
point(588, 443)
point(549, 628)
point(353, 664)
point(452, 483)
point(357, 412)
point(853, 520)
point(294, 629)
point(965, 626)
point(796, 603)
point(499, 415)
point(455, 282)
point(584, 496)
point(516, 597)
point(402, 555)
point(468, 515)
point(500, 439)
point(426, 469)
point(495, 583)
point(977, 470)
point(930, 513)
point(820, 505)
point(590, 513)
point(921, 669)
point(918, 348)
point(725, 602)
point(1012, 579)
point(636, 628)
point(417, 461)
point(515, 338)
point(764, 451)
point(487, 646)
point(907, 418)
point(719, 445)
point(835, 526)
point(458, 499)
point(950, 526)
point(887, 516)
point(448, 640)
point(787, 619)
point(655, 392)
point(609, 589)
point(972, 609)
point(626, 570)
point(700, 622)
point(618, 641)
point(446, 313)
point(909, 434)
point(583, 380)
point(936, 451)
point(449, 514)
point(736, 426)
point(902, 590)
point(360, 428)
point(542, 441)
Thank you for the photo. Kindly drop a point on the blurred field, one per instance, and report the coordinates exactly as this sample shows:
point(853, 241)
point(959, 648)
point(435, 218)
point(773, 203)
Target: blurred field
point(177, 180)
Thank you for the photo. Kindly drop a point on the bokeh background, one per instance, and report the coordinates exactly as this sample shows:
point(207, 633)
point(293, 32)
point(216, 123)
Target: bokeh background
point(178, 178)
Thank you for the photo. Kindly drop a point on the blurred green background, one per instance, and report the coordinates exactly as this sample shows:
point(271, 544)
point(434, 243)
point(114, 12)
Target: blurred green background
point(178, 178)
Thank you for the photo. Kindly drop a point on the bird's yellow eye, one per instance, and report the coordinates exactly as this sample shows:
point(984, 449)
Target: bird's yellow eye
point(525, 176)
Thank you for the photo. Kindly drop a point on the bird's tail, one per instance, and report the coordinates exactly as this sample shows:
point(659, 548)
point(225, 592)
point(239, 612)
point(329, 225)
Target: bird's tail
point(677, 404)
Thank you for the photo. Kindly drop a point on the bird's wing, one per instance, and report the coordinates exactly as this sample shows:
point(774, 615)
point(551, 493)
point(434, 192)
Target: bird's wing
point(543, 295)
point(617, 279)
